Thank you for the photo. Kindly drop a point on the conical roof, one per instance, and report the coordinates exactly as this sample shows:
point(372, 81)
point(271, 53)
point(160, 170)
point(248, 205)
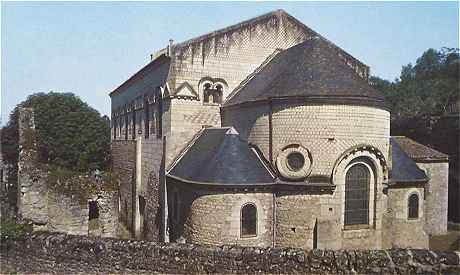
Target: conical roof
point(220, 156)
point(313, 69)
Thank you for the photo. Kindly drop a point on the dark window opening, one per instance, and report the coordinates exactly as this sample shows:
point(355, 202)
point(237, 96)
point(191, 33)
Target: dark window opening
point(134, 124)
point(114, 123)
point(295, 161)
point(249, 220)
point(141, 205)
point(126, 125)
point(218, 93)
point(413, 206)
point(93, 210)
point(146, 118)
point(357, 195)
point(207, 92)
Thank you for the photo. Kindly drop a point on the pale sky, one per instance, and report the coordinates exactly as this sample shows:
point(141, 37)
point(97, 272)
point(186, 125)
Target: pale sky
point(89, 48)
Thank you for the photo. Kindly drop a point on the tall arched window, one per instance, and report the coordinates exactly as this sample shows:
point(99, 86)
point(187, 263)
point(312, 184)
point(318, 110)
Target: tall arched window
point(412, 205)
point(248, 220)
point(357, 183)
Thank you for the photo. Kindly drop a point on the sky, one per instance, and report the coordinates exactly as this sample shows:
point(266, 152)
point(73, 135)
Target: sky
point(90, 48)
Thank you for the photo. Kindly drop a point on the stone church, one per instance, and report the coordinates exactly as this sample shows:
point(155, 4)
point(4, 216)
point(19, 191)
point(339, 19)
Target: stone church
point(265, 133)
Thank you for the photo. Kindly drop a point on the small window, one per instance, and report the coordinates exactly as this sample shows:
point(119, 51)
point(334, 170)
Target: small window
point(134, 124)
point(146, 118)
point(114, 123)
point(413, 206)
point(141, 205)
point(93, 210)
point(249, 220)
point(218, 93)
point(207, 92)
point(126, 125)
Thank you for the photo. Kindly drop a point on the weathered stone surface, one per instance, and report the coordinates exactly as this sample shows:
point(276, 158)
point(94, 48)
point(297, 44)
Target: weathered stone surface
point(60, 253)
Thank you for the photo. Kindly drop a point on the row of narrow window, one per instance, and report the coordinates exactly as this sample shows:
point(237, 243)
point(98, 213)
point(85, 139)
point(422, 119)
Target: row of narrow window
point(125, 126)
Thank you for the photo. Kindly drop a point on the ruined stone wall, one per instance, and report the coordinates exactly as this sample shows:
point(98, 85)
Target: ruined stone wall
point(436, 196)
point(123, 167)
point(45, 253)
point(56, 206)
point(402, 231)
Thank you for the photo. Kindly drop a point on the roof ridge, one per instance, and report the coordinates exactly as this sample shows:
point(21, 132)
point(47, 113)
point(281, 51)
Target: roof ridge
point(278, 12)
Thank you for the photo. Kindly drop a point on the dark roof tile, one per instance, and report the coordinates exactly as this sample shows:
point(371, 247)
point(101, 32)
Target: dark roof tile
point(419, 152)
point(220, 156)
point(404, 169)
point(310, 69)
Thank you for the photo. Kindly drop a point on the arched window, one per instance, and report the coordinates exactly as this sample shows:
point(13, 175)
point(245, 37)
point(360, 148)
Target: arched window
point(207, 92)
point(218, 92)
point(412, 206)
point(357, 183)
point(249, 220)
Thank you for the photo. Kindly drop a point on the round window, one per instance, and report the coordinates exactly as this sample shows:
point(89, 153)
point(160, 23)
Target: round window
point(295, 161)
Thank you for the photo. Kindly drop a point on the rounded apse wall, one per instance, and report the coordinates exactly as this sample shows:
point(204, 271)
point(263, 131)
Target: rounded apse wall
point(322, 131)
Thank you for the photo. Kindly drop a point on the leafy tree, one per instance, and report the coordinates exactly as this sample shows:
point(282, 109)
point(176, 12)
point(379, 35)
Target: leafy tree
point(70, 134)
point(422, 91)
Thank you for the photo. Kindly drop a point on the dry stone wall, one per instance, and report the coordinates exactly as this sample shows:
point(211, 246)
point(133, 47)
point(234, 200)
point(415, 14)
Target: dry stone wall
point(60, 253)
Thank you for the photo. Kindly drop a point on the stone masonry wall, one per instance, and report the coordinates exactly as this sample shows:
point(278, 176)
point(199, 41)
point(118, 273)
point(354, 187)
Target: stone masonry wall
point(59, 253)
point(152, 152)
point(404, 232)
point(327, 131)
point(213, 217)
point(436, 197)
point(124, 161)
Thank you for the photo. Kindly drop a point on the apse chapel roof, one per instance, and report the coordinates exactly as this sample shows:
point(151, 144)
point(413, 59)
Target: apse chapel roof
point(404, 168)
point(419, 152)
point(220, 156)
point(310, 69)
point(405, 152)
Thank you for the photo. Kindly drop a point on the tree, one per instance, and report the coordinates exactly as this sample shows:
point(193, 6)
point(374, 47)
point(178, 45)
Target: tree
point(425, 88)
point(70, 134)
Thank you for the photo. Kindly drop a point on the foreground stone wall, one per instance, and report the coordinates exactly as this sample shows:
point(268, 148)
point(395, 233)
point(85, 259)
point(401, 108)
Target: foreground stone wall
point(60, 253)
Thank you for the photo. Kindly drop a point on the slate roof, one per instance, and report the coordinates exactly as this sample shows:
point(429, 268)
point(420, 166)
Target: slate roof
point(310, 69)
point(220, 156)
point(419, 152)
point(404, 168)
